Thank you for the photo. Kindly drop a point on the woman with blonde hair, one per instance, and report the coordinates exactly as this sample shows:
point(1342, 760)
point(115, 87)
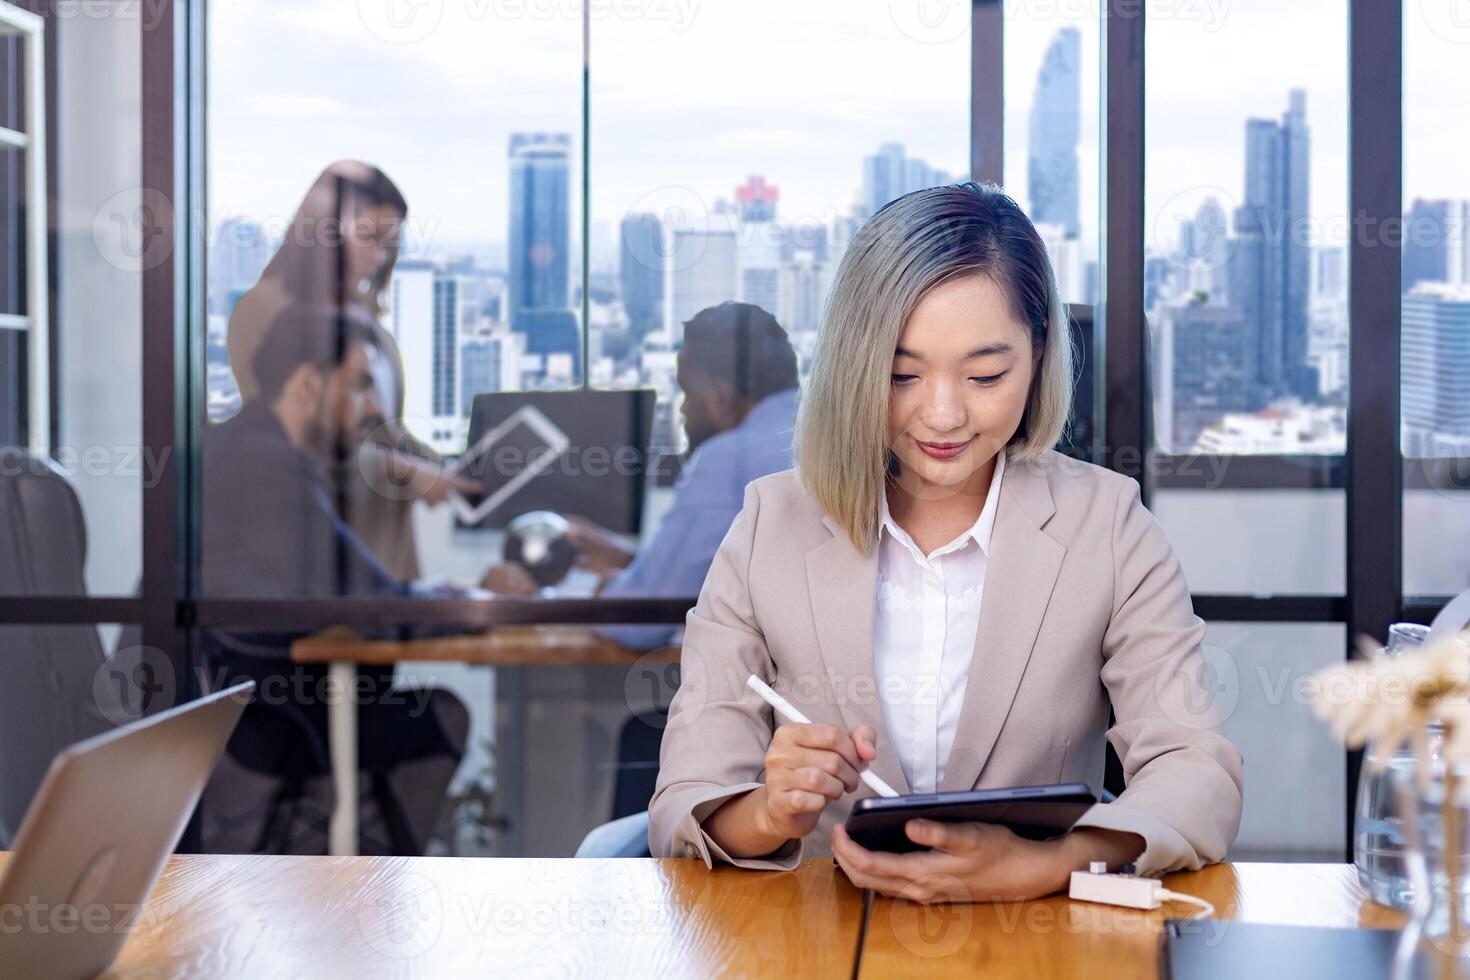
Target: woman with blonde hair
point(952, 602)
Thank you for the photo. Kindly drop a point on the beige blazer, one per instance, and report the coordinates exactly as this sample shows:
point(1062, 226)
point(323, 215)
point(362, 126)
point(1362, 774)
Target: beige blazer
point(384, 521)
point(1085, 607)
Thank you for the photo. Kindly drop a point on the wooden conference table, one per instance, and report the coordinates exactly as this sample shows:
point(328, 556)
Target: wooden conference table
point(327, 917)
point(508, 647)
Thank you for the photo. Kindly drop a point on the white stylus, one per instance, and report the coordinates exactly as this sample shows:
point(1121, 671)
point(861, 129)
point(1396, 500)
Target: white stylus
point(789, 712)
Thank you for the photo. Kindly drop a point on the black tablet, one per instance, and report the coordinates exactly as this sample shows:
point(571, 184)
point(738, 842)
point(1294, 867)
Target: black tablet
point(1035, 812)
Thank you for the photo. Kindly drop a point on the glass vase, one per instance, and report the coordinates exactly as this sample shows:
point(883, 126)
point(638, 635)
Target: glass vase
point(1434, 797)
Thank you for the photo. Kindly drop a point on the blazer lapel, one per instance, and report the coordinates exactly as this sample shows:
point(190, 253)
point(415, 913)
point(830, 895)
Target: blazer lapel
point(843, 584)
point(1021, 569)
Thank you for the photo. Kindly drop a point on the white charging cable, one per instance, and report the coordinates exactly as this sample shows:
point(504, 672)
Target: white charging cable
point(1205, 908)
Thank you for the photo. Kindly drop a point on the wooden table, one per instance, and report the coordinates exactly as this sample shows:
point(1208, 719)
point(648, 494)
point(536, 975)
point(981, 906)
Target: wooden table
point(504, 647)
point(263, 917)
point(1056, 937)
point(327, 917)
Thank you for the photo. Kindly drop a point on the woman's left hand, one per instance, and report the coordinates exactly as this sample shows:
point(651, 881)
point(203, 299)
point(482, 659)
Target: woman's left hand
point(968, 862)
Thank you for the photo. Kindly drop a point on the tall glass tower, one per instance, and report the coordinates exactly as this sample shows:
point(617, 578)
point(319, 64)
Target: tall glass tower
point(540, 222)
point(1271, 274)
point(1056, 124)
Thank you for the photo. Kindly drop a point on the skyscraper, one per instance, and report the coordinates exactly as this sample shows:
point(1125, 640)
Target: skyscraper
point(1329, 267)
point(1436, 362)
point(802, 282)
point(1065, 253)
point(641, 272)
point(1204, 245)
point(447, 316)
point(1202, 344)
point(1056, 125)
point(888, 174)
point(411, 322)
point(540, 247)
point(760, 244)
point(1436, 242)
point(551, 338)
point(883, 177)
point(540, 221)
point(237, 257)
point(702, 272)
point(489, 363)
point(757, 199)
point(1271, 270)
point(427, 319)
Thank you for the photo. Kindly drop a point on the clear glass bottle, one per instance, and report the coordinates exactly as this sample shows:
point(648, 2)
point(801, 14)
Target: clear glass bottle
point(1378, 838)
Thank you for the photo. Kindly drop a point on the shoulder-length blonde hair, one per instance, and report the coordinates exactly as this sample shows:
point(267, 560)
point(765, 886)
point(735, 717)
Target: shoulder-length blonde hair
point(903, 251)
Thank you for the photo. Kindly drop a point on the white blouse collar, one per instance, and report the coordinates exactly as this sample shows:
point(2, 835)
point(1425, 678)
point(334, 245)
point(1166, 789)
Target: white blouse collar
point(979, 532)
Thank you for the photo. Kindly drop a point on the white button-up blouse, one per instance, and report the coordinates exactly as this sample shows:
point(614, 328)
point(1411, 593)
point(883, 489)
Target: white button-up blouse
point(928, 608)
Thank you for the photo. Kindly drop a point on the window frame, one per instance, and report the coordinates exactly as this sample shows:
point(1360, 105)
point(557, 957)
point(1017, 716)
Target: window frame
point(31, 142)
point(173, 54)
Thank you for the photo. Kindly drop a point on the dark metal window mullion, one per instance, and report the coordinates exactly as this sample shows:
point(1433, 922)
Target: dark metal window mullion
point(987, 91)
point(166, 104)
point(1374, 472)
point(1123, 333)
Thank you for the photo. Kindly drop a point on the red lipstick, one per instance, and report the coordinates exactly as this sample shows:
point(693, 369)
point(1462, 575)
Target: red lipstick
point(943, 450)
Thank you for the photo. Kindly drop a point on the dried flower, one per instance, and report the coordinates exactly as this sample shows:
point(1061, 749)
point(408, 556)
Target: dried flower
point(1383, 701)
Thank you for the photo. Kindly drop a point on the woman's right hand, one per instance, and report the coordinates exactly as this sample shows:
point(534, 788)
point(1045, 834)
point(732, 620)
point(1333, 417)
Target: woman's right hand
point(808, 766)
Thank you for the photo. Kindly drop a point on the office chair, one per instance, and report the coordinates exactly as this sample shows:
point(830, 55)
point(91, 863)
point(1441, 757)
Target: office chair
point(55, 692)
point(47, 699)
point(279, 739)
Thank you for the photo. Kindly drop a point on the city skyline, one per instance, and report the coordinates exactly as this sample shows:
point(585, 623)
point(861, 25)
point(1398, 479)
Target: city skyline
point(317, 102)
point(1286, 328)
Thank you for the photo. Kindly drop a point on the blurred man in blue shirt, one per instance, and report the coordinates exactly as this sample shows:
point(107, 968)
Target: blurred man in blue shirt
point(738, 374)
point(737, 371)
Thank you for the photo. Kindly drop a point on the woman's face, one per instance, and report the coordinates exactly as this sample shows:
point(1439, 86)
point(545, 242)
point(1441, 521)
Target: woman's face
point(369, 239)
point(961, 375)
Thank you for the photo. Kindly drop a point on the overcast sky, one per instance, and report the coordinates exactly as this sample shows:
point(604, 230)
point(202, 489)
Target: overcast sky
point(691, 96)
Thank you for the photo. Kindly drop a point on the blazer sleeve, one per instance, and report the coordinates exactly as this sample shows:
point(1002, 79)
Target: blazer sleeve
point(715, 740)
point(1184, 778)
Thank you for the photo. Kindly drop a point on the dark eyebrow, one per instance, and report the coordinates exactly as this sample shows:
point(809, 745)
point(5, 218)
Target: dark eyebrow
point(1000, 347)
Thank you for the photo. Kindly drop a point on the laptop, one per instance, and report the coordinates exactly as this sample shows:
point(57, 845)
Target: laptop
point(108, 814)
point(1222, 949)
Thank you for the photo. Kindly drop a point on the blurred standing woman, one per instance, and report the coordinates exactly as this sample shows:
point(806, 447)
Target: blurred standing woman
point(338, 253)
point(952, 602)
